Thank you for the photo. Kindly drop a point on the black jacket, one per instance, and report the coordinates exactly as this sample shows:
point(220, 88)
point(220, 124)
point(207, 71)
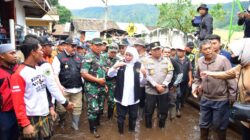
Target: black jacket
point(69, 75)
point(120, 82)
point(246, 23)
point(205, 28)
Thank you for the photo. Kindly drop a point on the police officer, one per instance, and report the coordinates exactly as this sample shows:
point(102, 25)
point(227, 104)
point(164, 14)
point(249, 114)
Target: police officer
point(66, 66)
point(111, 59)
point(94, 72)
point(159, 75)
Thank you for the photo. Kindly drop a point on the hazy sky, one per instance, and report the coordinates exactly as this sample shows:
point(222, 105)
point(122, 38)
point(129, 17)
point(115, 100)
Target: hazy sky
point(80, 4)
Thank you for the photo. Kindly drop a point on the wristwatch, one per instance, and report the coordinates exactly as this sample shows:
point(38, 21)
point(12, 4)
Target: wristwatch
point(65, 104)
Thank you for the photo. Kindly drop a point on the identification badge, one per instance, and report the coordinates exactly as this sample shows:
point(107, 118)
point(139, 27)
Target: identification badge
point(66, 66)
point(151, 72)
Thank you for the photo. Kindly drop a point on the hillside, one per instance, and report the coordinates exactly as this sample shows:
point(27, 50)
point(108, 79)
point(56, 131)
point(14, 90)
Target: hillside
point(142, 13)
point(138, 13)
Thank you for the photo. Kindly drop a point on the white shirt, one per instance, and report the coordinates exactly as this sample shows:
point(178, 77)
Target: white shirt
point(51, 83)
point(128, 89)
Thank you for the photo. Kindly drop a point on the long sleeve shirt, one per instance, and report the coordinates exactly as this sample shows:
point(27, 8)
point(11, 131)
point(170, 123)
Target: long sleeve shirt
point(28, 85)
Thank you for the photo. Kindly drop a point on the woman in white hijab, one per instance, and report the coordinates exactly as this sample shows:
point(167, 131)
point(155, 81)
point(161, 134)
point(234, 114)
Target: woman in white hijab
point(241, 49)
point(129, 74)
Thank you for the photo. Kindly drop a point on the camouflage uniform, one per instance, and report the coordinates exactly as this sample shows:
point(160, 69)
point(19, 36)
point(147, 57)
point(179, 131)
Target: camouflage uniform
point(111, 82)
point(95, 93)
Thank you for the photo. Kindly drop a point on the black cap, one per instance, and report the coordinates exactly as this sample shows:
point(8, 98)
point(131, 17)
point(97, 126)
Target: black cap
point(70, 41)
point(45, 41)
point(190, 45)
point(202, 6)
point(155, 45)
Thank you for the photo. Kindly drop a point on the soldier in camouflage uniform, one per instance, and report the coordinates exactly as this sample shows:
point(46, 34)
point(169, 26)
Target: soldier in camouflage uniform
point(111, 59)
point(94, 73)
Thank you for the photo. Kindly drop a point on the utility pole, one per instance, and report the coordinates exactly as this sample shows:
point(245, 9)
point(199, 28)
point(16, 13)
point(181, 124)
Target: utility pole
point(106, 17)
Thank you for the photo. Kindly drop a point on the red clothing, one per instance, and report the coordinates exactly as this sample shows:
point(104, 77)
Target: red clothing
point(5, 90)
point(28, 85)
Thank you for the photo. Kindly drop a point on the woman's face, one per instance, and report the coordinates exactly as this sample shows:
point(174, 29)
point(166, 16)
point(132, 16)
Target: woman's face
point(128, 57)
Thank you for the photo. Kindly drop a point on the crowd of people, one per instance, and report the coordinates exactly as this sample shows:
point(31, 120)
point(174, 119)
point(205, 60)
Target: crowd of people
point(134, 78)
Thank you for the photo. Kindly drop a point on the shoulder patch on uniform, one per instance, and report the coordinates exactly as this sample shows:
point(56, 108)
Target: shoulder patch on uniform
point(47, 72)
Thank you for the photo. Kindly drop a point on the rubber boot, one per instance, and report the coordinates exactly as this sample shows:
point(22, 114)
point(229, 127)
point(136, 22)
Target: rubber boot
point(120, 128)
point(93, 129)
point(172, 113)
point(220, 135)
point(162, 120)
point(62, 117)
point(75, 122)
point(140, 113)
point(110, 113)
point(161, 123)
point(204, 133)
point(148, 122)
point(132, 124)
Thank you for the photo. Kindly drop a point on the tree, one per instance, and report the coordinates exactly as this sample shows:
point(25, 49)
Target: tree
point(218, 14)
point(54, 2)
point(177, 15)
point(64, 14)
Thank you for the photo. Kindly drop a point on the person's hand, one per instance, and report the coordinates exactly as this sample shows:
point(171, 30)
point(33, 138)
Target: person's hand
point(29, 131)
point(144, 72)
point(53, 113)
point(70, 106)
point(204, 74)
point(101, 81)
point(106, 88)
point(241, 15)
point(160, 88)
point(190, 83)
point(231, 102)
point(119, 64)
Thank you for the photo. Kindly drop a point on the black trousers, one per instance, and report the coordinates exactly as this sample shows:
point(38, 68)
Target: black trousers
point(162, 102)
point(122, 111)
point(142, 97)
point(245, 133)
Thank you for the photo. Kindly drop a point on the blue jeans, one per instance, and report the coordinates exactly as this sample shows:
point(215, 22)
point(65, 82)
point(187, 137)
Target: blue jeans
point(215, 113)
point(8, 126)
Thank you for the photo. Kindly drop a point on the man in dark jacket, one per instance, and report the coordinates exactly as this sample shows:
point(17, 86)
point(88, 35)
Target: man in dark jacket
point(205, 24)
point(243, 20)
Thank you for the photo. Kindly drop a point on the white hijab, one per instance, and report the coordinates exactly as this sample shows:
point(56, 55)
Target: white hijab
point(241, 48)
point(134, 53)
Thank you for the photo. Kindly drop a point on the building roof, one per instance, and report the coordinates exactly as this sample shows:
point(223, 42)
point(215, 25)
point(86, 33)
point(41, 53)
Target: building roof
point(92, 25)
point(60, 30)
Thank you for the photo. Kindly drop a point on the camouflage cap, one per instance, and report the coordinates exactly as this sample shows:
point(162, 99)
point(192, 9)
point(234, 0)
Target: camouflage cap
point(113, 47)
point(97, 41)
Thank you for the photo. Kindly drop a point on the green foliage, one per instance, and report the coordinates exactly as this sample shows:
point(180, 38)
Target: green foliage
point(54, 2)
point(177, 15)
point(64, 14)
point(137, 13)
point(150, 14)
